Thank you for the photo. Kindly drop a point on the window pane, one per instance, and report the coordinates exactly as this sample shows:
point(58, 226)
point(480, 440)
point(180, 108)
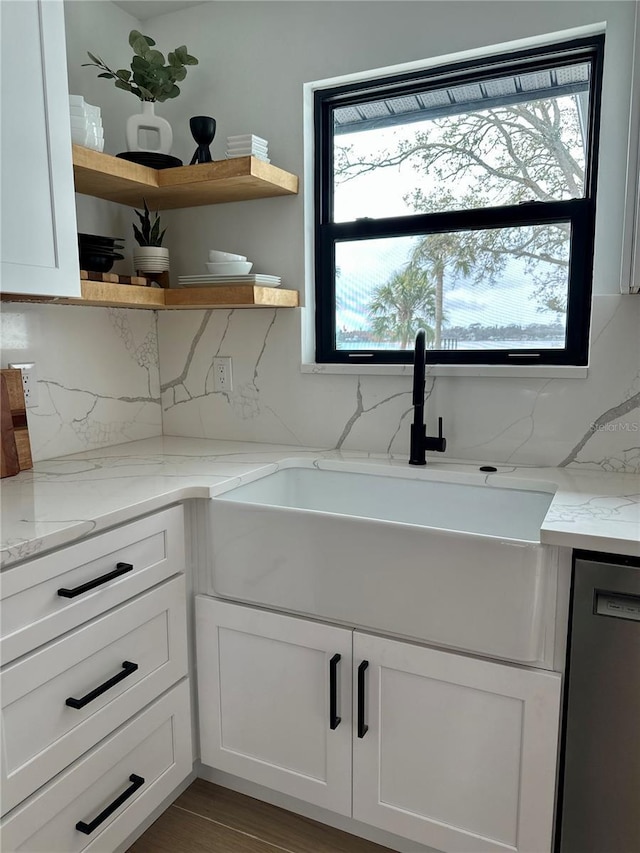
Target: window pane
point(501, 288)
point(515, 138)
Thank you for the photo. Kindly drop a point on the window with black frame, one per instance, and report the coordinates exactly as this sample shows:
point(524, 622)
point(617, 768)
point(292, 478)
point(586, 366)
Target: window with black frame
point(460, 200)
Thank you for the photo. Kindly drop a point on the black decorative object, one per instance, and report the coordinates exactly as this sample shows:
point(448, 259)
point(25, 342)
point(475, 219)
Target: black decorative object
point(203, 129)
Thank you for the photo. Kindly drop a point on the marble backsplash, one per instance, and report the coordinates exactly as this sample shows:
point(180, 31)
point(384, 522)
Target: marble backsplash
point(108, 376)
point(592, 422)
point(98, 378)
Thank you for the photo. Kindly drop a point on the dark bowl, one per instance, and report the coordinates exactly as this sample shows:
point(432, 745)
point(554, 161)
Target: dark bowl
point(151, 159)
point(95, 262)
point(99, 250)
point(98, 240)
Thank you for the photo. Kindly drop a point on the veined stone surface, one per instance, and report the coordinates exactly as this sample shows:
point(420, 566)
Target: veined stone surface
point(108, 376)
point(98, 376)
point(62, 500)
point(592, 422)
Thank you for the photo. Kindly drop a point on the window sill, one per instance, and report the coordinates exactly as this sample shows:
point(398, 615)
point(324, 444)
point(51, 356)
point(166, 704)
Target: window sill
point(493, 371)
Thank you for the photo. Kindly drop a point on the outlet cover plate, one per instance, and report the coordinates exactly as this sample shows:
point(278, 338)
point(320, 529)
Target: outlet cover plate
point(222, 378)
point(29, 382)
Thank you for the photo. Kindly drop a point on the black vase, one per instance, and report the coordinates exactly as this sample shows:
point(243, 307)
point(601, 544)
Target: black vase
point(203, 129)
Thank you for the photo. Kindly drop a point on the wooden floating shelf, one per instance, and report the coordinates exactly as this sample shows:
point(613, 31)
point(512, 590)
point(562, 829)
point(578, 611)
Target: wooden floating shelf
point(108, 295)
point(237, 179)
point(231, 296)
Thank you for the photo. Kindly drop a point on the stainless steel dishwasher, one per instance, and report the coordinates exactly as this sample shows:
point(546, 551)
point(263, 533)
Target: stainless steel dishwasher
point(599, 803)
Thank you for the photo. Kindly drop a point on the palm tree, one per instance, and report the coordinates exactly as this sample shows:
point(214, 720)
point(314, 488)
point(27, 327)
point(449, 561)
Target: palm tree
point(436, 254)
point(403, 305)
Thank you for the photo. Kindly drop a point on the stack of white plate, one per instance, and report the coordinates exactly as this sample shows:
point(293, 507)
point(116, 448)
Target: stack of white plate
point(86, 123)
point(222, 280)
point(248, 145)
point(228, 268)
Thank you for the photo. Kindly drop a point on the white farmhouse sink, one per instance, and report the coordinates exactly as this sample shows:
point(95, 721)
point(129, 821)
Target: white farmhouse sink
point(452, 563)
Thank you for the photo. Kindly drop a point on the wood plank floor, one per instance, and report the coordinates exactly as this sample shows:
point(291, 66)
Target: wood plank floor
point(208, 818)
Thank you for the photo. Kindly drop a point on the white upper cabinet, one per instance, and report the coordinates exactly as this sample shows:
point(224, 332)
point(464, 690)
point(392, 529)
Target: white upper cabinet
point(39, 242)
point(630, 279)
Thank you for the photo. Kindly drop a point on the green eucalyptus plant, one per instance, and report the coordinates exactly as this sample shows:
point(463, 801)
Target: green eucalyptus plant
point(148, 234)
point(149, 79)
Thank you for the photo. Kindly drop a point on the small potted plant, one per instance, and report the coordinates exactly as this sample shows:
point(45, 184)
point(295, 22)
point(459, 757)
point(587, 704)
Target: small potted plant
point(150, 80)
point(150, 256)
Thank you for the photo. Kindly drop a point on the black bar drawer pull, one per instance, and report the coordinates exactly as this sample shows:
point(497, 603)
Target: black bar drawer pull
point(334, 719)
point(87, 828)
point(127, 669)
point(362, 727)
point(121, 569)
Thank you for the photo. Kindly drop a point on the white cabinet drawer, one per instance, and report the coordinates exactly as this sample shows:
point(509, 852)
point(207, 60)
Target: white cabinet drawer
point(62, 699)
point(32, 610)
point(154, 746)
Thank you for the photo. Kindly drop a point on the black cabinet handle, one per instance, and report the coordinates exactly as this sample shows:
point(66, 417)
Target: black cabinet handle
point(334, 719)
point(127, 669)
point(87, 828)
point(121, 569)
point(362, 727)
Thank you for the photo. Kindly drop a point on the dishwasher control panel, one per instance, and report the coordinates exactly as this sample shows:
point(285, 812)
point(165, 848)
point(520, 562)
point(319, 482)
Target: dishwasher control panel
point(617, 605)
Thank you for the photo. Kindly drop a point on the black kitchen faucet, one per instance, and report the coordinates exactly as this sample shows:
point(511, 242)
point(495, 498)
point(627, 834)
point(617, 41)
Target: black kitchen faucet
point(420, 441)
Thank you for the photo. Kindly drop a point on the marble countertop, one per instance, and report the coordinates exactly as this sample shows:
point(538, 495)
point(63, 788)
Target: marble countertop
point(61, 500)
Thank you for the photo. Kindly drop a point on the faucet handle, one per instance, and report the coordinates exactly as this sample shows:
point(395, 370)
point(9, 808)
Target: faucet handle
point(442, 441)
point(439, 443)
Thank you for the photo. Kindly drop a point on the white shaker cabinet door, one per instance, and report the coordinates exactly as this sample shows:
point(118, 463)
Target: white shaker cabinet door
point(38, 227)
point(267, 709)
point(453, 752)
point(630, 281)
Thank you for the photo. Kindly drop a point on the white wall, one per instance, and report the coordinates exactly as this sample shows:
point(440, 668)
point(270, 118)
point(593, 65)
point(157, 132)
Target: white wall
point(254, 61)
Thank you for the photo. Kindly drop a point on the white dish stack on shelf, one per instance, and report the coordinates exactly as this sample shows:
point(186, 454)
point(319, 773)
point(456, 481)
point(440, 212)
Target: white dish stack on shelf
point(227, 268)
point(86, 123)
point(228, 280)
point(247, 145)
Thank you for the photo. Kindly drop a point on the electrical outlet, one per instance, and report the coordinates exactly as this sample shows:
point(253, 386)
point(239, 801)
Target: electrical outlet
point(222, 379)
point(29, 382)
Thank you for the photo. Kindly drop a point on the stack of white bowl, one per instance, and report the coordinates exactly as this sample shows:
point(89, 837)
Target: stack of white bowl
point(247, 145)
point(228, 264)
point(86, 123)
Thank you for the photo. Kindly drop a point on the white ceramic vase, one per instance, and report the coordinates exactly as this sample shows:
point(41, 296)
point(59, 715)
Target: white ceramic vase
point(147, 126)
point(150, 259)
